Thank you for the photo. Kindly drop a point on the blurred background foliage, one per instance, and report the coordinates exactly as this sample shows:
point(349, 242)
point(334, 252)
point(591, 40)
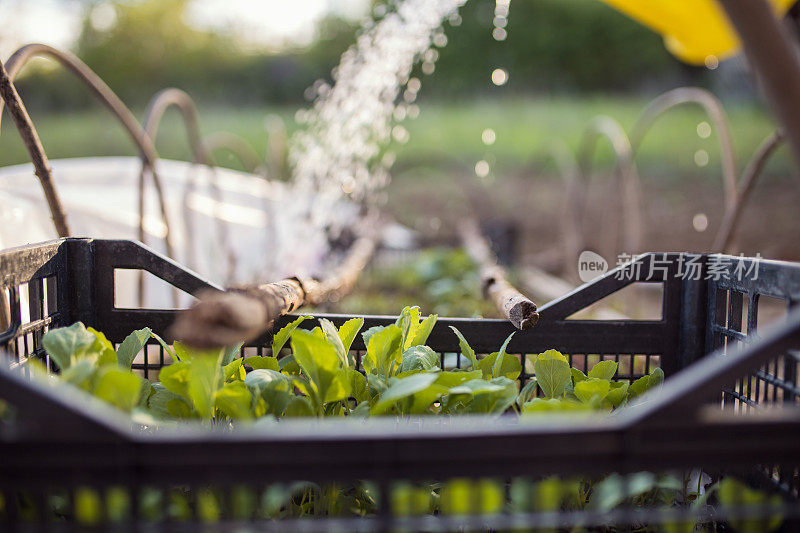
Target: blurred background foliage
point(566, 45)
point(568, 62)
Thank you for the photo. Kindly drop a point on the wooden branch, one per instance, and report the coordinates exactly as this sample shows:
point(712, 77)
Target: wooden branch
point(243, 313)
point(220, 319)
point(515, 306)
point(344, 278)
point(33, 144)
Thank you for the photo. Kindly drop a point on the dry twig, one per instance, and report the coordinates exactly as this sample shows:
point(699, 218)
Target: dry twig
point(515, 306)
point(243, 313)
point(39, 159)
point(109, 99)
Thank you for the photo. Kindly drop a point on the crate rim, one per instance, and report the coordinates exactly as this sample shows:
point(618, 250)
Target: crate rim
point(671, 420)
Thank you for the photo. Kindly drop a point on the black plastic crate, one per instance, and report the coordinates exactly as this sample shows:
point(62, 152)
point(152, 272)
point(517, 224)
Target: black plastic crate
point(61, 447)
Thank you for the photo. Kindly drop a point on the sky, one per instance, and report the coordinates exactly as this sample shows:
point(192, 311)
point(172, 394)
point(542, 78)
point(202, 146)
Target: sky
point(267, 23)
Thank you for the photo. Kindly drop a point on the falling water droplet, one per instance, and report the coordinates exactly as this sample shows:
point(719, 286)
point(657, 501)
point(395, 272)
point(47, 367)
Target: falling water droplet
point(348, 185)
point(712, 62)
point(431, 54)
point(488, 136)
point(339, 150)
point(400, 134)
point(701, 158)
point(499, 76)
point(499, 34)
point(388, 159)
point(704, 130)
point(482, 168)
point(700, 222)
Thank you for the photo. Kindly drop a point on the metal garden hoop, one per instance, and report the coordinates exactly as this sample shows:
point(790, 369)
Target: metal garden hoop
point(629, 225)
point(158, 105)
point(109, 99)
point(736, 195)
point(236, 145)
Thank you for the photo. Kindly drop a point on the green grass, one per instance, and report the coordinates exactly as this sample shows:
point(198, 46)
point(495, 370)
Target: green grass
point(445, 134)
point(527, 128)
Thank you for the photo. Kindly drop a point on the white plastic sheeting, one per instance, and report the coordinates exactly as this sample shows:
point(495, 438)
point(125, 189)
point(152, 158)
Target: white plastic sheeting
point(100, 197)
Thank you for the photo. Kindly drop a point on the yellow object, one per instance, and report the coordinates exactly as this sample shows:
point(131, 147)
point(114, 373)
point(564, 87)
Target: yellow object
point(695, 31)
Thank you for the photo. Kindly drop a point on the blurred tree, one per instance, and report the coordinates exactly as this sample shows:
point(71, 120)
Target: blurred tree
point(572, 45)
point(139, 47)
point(334, 36)
point(142, 46)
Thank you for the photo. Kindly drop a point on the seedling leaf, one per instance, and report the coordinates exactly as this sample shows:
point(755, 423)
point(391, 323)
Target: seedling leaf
point(175, 378)
point(616, 396)
point(604, 370)
point(118, 387)
point(322, 365)
point(424, 330)
point(234, 400)
point(466, 349)
point(280, 338)
point(552, 373)
point(348, 332)
point(163, 344)
point(383, 350)
point(419, 358)
point(577, 375)
point(64, 345)
point(257, 361)
point(229, 353)
point(103, 347)
point(500, 362)
point(592, 390)
point(204, 374)
point(656, 378)
point(508, 366)
point(527, 392)
point(400, 388)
